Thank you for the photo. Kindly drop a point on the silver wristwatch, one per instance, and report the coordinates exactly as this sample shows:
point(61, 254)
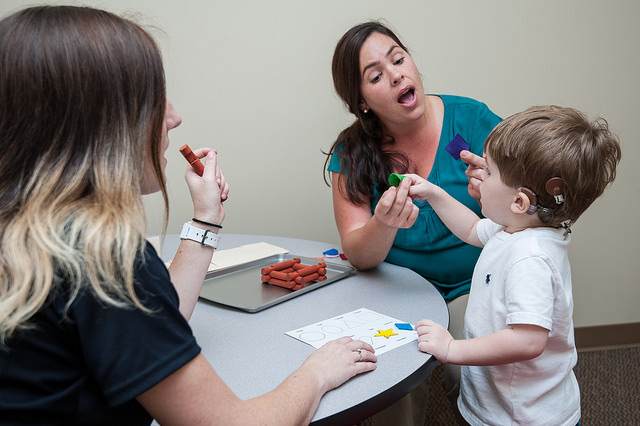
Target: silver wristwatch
point(203, 236)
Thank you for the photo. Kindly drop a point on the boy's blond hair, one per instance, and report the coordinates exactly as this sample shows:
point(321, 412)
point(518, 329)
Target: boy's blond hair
point(544, 142)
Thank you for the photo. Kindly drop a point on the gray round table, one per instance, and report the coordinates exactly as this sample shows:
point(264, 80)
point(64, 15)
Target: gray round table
point(252, 353)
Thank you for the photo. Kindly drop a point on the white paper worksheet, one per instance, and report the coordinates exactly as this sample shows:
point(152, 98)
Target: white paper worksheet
point(380, 331)
point(237, 256)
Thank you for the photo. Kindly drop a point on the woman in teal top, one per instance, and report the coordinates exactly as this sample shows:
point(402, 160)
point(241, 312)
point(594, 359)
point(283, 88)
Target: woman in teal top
point(400, 130)
point(428, 247)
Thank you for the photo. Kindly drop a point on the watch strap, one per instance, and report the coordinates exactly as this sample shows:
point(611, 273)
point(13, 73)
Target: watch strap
point(203, 236)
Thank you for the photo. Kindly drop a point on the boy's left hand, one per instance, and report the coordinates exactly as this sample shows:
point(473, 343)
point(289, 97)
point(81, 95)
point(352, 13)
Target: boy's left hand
point(433, 339)
point(476, 165)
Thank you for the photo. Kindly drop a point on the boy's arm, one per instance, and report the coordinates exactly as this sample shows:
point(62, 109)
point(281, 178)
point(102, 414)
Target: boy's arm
point(461, 220)
point(521, 342)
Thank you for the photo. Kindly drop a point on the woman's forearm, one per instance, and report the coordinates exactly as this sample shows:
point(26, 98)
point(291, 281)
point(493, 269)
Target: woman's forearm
point(188, 270)
point(368, 246)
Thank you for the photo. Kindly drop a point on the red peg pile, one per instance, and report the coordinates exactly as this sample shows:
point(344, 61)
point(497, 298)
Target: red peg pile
point(292, 274)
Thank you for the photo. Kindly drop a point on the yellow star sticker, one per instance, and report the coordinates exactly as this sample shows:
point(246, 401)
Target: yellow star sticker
point(386, 333)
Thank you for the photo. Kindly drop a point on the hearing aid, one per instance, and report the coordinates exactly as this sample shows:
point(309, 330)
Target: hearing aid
point(533, 200)
point(555, 187)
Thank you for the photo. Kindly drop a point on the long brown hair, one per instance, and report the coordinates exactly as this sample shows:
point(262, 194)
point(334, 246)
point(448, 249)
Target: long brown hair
point(365, 159)
point(82, 102)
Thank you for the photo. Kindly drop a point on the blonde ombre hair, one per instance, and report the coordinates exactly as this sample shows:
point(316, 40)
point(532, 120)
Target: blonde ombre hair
point(82, 101)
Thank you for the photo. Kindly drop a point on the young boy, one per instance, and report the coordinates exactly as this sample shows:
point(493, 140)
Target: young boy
point(545, 166)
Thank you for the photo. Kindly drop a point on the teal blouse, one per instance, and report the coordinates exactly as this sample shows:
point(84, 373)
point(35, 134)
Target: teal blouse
point(428, 247)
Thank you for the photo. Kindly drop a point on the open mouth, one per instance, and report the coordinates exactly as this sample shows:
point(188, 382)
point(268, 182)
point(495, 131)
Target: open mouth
point(407, 96)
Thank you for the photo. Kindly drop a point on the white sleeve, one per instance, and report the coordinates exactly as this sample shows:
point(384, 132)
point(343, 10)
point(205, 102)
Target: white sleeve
point(487, 229)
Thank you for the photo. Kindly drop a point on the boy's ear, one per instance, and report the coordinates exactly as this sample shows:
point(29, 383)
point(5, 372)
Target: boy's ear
point(520, 204)
point(524, 202)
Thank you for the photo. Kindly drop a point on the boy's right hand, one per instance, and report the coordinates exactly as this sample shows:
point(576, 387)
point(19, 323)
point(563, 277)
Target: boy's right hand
point(420, 187)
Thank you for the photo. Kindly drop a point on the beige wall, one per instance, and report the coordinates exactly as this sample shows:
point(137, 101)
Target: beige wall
point(252, 79)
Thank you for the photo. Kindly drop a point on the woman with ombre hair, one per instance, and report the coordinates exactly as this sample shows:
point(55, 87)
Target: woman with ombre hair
point(93, 327)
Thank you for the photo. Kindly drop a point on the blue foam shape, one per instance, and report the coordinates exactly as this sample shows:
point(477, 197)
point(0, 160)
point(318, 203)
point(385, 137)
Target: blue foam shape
point(456, 145)
point(404, 326)
point(331, 252)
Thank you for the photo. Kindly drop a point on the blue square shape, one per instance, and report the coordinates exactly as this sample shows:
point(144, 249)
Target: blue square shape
point(456, 145)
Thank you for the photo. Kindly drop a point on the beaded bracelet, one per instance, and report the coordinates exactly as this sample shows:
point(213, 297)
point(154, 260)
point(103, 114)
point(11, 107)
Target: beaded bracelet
point(206, 223)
